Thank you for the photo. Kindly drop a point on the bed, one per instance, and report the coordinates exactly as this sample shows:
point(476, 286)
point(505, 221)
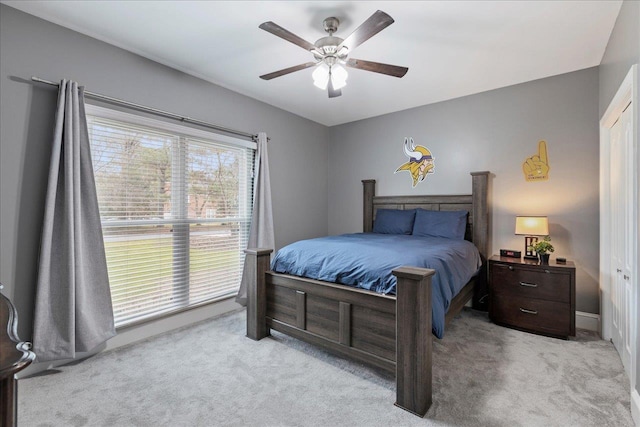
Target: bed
point(392, 332)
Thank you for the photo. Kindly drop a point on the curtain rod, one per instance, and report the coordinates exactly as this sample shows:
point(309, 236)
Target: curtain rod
point(156, 111)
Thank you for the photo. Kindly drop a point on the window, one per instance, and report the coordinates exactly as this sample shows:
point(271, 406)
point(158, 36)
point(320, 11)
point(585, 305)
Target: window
point(175, 204)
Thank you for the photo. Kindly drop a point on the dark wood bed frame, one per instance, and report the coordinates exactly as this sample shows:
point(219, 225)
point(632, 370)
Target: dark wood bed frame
point(390, 332)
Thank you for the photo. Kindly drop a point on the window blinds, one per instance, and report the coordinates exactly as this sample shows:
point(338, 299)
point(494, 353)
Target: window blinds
point(175, 213)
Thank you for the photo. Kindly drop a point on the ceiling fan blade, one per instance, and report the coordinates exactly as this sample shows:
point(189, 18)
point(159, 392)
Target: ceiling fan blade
point(277, 30)
point(377, 67)
point(334, 93)
point(369, 28)
point(287, 71)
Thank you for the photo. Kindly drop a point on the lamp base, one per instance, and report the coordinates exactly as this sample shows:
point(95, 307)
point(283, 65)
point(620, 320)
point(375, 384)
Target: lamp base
point(528, 242)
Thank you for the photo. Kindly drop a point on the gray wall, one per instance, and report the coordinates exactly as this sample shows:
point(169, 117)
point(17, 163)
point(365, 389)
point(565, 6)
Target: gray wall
point(30, 46)
point(622, 52)
point(495, 131)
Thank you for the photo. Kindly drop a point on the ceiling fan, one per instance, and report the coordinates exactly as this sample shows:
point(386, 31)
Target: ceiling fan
point(331, 52)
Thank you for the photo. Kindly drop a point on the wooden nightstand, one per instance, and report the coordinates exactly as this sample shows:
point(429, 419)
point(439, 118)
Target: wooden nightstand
point(532, 297)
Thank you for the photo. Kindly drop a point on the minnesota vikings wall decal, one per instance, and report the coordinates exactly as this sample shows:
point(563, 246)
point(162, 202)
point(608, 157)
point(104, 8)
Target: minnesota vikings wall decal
point(420, 162)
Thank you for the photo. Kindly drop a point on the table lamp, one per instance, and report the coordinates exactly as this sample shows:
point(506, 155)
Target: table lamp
point(530, 227)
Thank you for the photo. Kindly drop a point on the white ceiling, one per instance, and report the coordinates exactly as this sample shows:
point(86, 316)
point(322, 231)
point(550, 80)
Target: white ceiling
point(452, 48)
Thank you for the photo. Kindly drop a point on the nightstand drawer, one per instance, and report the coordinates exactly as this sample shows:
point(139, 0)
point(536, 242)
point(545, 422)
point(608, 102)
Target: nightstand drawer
point(546, 317)
point(530, 283)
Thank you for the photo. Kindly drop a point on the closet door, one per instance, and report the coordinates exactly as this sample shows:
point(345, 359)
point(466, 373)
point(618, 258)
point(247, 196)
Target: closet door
point(630, 206)
point(620, 228)
point(621, 214)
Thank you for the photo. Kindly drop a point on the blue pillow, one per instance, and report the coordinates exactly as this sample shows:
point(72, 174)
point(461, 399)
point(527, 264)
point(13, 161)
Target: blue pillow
point(394, 221)
point(450, 224)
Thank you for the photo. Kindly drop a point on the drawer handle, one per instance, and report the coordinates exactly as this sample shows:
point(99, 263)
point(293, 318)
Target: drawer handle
point(528, 285)
point(524, 310)
point(511, 268)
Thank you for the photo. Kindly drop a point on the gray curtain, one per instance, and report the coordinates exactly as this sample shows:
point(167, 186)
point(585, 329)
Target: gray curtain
point(261, 231)
point(73, 311)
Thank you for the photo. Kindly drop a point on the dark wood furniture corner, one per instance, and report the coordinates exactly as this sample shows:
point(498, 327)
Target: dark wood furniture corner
point(14, 357)
point(536, 298)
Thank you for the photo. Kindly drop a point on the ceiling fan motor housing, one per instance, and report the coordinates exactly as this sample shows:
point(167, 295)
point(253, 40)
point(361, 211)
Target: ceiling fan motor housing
point(328, 46)
point(331, 24)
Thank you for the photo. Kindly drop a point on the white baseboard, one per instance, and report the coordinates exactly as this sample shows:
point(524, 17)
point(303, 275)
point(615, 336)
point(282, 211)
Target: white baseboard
point(635, 407)
point(588, 321)
point(167, 324)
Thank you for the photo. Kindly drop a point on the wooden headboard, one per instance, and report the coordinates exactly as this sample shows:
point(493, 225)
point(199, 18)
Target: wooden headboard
point(474, 203)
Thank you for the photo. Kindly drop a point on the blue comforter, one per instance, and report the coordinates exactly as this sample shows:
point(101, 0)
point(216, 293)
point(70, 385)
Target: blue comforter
point(365, 260)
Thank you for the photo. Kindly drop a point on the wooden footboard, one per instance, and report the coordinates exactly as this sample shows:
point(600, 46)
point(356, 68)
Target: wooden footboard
point(392, 333)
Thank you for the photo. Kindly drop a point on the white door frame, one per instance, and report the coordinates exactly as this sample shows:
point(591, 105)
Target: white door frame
point(628, 92)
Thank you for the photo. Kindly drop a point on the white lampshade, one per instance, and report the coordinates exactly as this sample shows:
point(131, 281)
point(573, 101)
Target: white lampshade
point(338, 76)
point(321, 76)
point(323, 73)
point(532, 225)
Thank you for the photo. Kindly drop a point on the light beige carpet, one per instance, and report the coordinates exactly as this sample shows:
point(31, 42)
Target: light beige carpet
point(211, 375)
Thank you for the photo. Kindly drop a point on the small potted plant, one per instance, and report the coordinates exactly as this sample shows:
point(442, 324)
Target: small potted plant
point(543, 249)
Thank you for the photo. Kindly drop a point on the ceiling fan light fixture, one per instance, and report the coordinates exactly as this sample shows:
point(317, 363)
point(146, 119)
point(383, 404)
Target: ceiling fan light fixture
point(321, 84)
point(321, 76)
point(339, 73)
point(338, 77)
point(338, 84)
